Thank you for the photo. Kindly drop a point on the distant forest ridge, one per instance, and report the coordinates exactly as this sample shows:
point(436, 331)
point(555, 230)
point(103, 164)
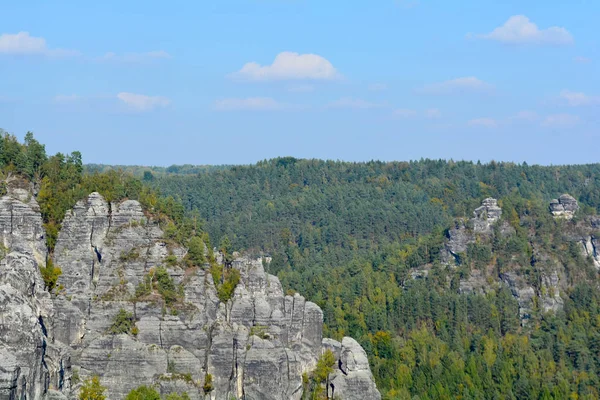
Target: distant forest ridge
point(193, 169)
point(139, 170)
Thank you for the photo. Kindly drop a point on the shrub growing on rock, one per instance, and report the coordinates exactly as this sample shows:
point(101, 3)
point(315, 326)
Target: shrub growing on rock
point(123, 323)
point(92, 390)
point(143, 393)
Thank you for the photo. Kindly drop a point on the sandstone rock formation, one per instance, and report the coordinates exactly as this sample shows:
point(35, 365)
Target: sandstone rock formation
point(564, 207)
point(255, 346)
point(352, 378)
point(482, 223)
point(31, 363)
point(485, 216)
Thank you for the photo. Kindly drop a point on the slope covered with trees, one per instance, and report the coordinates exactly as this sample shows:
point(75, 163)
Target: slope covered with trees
point(356, 238)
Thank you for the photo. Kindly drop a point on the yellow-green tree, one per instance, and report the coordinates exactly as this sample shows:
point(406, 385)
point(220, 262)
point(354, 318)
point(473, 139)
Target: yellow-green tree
point(92, 390)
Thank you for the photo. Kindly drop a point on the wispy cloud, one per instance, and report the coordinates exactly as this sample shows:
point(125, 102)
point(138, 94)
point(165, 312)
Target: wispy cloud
point(300, 88)
point(378, 87)
point(577, 99)
point(526, 116)
point(135, 57)
point(561, 120)
point(23, 43)
point(405, 113)
point(582, 60)
point(140, 102)
point(433, 113)
point(249, 104)
point(458, 85)
point(483, 122)
point(518, 29)
point(289, 66)
point(354, 103)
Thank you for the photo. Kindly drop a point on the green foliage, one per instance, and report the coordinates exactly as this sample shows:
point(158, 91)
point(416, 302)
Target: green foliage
point(143, 393)
point(62, 183)
point(75, 379)
point(316, 386)
point(348, 236)
point(123, 323)
point(159, 281)
point(208, 384)
point(324, 366)
point(129, 256)
point(92, 390)
point(195, 255)
point(260, 331)
point(177, 396)
point(50, 274)
point(226, 279)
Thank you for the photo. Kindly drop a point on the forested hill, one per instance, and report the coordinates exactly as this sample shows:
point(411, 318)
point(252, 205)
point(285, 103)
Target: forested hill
point(515, 315)
point(369, 203)
point(143, 171)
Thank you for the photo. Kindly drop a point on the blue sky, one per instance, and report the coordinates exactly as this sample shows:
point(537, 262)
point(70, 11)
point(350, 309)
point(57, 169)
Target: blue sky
point(237, 81)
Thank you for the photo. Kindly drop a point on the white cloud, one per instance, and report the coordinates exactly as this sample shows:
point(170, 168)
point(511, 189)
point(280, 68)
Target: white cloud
point(378, 87)
point(577, 99)
point(483, 122)
point(249, 104)
point(520, 30)
point(405, 113)
point(528, 116)
point(433, 113)
point(141, 102)
point(582, 60)
point(561, 120)
point(290, 66)
point(135, 57)
point(353, 103)
point(458, 85)
point(23, 43)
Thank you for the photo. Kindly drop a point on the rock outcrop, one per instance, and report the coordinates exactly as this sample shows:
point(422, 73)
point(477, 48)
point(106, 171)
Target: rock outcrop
point(31, 363)
point(482, 223)
point(255, 346)
point(564, 207)
point(485, 217)
point(352, 378)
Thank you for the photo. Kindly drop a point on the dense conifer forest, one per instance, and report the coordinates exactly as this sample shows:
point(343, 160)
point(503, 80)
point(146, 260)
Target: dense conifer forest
point(367, 242)
point(356, 237)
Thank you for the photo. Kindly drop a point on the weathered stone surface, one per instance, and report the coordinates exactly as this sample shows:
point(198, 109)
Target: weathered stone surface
point(256, 346)
point(485, 216)
point(30, 362)
point(564, 207)
point(591, 249)
point(352, 378)
point(523, 292)
point(550, 296)
point(474, 283)
point(458, 240)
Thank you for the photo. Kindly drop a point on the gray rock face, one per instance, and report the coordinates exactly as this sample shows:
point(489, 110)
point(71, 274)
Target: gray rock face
point(352, 378)
point(458, 240)
point(550, 297)
point(523, 292)
point(255, 346)
point(485, 216)
point(564, 207)
point(31, 363)
point(591, 249)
